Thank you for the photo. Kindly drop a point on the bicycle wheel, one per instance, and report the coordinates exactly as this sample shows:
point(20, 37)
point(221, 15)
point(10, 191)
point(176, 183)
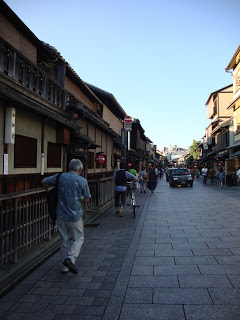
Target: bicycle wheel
point(134, 214)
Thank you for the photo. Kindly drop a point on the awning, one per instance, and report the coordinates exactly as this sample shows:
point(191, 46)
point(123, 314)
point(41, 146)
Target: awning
point(236, 154)
point(90, 144)
point(222, 154)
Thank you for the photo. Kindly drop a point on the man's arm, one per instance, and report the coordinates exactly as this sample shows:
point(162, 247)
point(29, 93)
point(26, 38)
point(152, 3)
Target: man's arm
point(130, 176)
point(44, 185)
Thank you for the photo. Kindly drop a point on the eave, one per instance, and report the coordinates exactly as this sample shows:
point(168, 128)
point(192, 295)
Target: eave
point(109, 100)
point(233, 62)
point(217, 91)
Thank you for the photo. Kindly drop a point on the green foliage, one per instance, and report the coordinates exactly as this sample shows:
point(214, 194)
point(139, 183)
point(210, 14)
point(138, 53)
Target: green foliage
point(194, 151)
point(165, 160)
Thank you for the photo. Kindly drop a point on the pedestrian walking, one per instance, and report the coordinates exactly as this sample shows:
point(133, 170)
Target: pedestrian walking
point(192, 171)
point(142, 177)
point(238, 175)
point(133, 171)
point(120, 178)
point(152, 180)
point(73, 190)
point(212, 175)
point(220, 176)
point(204, 174)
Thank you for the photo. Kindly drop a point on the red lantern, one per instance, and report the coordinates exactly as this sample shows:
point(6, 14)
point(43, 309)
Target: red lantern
point(100, 159)
point(129, 165)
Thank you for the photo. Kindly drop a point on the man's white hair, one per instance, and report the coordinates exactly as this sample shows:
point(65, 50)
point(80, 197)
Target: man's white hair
point(75, 165)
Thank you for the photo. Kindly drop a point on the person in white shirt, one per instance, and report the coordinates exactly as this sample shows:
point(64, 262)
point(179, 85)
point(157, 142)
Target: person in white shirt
point(204, 174)
point(238, 174)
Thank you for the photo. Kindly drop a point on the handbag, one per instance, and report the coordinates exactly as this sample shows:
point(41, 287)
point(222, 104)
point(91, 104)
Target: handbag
point(52, 198)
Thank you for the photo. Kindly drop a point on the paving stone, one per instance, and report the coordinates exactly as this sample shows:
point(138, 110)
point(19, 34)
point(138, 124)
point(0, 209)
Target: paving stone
point(196, 260)
point(153, 261)
point(77, 300)
point(139, 295)
point(52, 299)
point(235, 280)
point(100, 301)
point(78, 317)
point(175, 270)
point(98, 293)
point(212, 252)
point(142, 271)
point(46, 291)
point(153, 312)
point(219, 269)
point(153, 281)
point(223, 296)
point(204, 281)
point(181, 296)
point(39, 316)
point(214, 312)
point(173, 253)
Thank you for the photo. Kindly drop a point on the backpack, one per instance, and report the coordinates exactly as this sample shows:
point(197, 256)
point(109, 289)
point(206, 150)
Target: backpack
point(52, 198)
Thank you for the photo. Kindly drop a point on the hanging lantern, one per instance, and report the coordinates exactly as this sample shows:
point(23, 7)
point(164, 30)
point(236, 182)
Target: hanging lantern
point(100, 159)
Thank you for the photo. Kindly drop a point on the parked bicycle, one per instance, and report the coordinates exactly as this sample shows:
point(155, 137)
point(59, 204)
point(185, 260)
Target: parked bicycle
point(131, 188)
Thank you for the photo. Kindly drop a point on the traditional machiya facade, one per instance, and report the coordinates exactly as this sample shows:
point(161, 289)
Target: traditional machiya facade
point(138, 155)
point(35, 125)
point(113, 114)
point(217, 137)
point(234, 106)
point(48, 116)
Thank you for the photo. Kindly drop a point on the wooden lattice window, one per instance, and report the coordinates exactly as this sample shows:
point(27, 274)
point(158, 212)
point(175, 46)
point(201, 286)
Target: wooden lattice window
point(54, 155)
point(25, 152)
point(91, 159)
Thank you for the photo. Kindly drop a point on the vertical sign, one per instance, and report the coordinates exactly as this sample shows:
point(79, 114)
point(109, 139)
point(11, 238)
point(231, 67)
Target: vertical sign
point(5, 164)
point(10, 125)
point(42, 164)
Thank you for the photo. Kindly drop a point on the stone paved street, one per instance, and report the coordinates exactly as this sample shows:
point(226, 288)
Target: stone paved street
point(178, 260)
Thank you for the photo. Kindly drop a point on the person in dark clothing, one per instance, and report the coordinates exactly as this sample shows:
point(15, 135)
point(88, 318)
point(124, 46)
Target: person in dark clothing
point(120, 178)
point(152, 180)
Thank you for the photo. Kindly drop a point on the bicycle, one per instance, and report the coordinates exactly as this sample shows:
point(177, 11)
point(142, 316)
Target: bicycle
point(131, 186)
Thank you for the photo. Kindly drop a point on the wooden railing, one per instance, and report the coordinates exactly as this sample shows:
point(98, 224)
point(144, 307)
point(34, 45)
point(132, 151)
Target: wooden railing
point(30, 76)
point(24, 220)
point(24, 223)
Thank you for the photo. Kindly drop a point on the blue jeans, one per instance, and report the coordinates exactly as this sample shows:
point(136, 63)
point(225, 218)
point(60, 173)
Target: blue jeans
point(72, 238)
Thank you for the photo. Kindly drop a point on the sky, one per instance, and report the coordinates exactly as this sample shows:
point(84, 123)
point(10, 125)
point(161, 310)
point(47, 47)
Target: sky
point(160, 59)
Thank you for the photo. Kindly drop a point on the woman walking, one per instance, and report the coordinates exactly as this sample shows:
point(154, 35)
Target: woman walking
point(152, 180)
point(142, 177)
point(220, 176)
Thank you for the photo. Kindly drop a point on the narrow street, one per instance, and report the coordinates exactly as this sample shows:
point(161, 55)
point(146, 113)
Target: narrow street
point(178, 260)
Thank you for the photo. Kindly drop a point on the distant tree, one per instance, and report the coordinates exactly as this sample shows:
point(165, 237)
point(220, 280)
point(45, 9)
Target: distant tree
point(194, 151)
point(165, 160)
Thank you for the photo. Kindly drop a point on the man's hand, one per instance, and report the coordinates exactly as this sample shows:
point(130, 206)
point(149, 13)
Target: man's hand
point(44, 185)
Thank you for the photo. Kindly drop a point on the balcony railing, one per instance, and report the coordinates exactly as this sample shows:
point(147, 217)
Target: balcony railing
point(17, 67)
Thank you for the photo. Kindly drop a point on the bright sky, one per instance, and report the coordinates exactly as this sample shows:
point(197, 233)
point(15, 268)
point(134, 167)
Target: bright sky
point(160, 59)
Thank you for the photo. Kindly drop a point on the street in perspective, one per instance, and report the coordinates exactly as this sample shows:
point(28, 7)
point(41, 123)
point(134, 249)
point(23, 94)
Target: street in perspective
point(179, 259)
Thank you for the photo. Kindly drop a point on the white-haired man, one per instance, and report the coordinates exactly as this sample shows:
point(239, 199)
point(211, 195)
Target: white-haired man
point(72, 190)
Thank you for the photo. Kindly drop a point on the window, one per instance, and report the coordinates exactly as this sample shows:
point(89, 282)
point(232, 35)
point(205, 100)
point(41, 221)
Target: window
point(215, 108)
point(91, 159)
point(54, 155)
point(25, 152)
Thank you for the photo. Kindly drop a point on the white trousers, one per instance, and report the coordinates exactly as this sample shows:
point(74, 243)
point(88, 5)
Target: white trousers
point(72, 238)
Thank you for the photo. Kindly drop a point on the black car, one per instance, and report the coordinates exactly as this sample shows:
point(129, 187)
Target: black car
point(181, 177)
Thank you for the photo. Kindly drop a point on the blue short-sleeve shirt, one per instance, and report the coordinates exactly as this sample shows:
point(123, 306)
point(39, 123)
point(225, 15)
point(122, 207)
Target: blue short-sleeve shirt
point(71, 187)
